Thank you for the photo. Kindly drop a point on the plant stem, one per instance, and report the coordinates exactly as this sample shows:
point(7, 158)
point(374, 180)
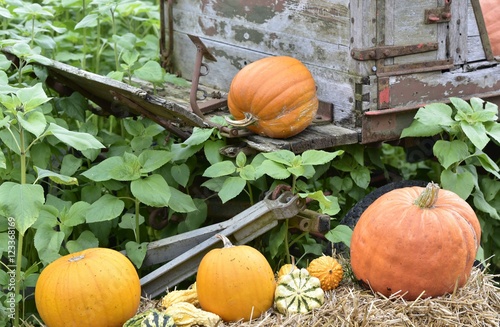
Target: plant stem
point(428, 197)
point(137, 222)
point(20, 238)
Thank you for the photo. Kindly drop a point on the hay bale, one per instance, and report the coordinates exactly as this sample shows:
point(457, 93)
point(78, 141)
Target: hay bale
point(476, 304)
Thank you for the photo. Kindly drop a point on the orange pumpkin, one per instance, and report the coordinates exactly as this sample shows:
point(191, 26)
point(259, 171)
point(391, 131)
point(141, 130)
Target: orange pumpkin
point(235, 282)
point(491, 14)
point(328, 270)
point(95, 287)
point(274, 97)
point(415, 240)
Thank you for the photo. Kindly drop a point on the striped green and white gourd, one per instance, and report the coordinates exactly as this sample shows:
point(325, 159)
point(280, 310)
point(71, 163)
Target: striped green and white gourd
point(150, 318)
point(298, 292)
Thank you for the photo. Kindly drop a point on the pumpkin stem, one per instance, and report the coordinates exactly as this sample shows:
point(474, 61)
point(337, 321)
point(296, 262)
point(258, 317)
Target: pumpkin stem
point(428, 197)
point(247, 121)
point(225, 240)
point(77, 258)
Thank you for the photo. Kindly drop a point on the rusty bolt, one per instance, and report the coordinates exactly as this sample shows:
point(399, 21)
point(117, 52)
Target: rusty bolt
point(372, 54)
point(446, 15)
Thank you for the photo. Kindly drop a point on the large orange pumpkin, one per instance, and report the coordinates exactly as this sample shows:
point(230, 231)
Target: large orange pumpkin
point(491, 14)
point(235, 282)
point(95, 287)
point(415, 240)
point(275, 95)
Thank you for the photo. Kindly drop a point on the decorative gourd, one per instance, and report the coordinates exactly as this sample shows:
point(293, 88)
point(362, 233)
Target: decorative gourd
point(286, 269)
point(298, 292)
point(95, 287)
point(415, 240)
point(491, 14)
point(150, 318)
point(190, 295)
point(274, 97)
point(235, 282)
point(186, 314)
point(328, 270)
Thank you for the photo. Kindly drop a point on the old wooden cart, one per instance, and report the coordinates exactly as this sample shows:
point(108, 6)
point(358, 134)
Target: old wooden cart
point(374, 61)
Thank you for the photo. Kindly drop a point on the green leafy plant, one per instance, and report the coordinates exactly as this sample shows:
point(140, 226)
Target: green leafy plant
point(465, 130)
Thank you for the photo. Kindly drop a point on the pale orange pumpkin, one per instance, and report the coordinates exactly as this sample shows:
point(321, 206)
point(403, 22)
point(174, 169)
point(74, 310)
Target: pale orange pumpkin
point(491, 14)
point(285, 269)
point(235, 282)
point(415, 241)
point(97, 287)
point(274, 97)
point(328, 270)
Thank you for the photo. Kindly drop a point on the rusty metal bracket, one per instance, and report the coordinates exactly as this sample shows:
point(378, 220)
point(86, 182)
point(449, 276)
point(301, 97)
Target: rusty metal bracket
point(201, 52)
point(390, 51)
point(439, 14)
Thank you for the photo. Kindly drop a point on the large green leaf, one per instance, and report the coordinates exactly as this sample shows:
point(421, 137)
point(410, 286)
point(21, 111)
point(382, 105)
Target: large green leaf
point(48, 243)
point(462, 182)
point(128, 221)
point(23, 202)
point(199, 136)
point(77, 140)
point(90, 20)
point(136, 252)
point(34, 122)
point(180, 202)
point(55, 177)
point(435, 114)
point(32, 97)
point(340, 233)
point(181, 173)
point(153, 159)
point(476, 133)
point(319, 157)
point(273, 169)
point(86, 240)
point(106, 208)
point(151, 71)
point(418, 129)
point(284, 157)
point(219, 169)
point(124, 168)
point(152, 191)
point(231, 188)
point(76, 214)
point(450, 152)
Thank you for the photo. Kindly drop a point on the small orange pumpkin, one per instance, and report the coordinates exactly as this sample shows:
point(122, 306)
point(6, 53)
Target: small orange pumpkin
point(285, 269)
point(419, 241)
point(328, 270)
point(235, 282)
point(274, 97)
point(97, 287)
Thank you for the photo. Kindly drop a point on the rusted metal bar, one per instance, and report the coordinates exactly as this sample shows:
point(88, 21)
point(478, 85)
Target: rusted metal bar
point(390, 51)
point(411, 68)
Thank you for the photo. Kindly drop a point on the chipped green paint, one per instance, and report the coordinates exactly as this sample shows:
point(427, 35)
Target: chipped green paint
point(256, 11)
point(244, 34)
